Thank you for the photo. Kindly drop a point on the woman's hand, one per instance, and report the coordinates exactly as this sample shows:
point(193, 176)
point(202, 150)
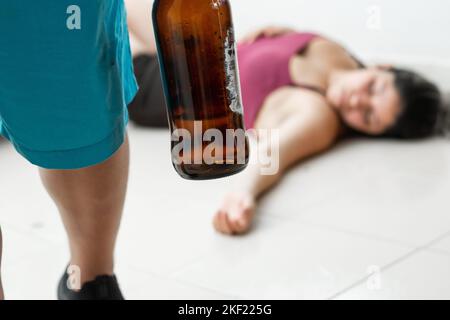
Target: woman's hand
point(268, 32)
point(236, 214)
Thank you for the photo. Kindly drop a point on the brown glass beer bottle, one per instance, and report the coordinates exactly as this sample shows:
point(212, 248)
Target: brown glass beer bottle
point(197, 55)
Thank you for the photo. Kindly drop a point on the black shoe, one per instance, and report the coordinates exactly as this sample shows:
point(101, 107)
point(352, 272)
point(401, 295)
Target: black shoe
point(102, 288)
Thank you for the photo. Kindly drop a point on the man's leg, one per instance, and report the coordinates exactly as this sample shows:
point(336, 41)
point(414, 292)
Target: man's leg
point(91, 202)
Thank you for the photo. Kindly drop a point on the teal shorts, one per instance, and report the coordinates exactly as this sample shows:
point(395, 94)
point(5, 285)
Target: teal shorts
point(66, 78)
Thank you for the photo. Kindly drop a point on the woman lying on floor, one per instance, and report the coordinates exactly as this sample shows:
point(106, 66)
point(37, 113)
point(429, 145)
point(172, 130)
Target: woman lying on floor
point(308, 87)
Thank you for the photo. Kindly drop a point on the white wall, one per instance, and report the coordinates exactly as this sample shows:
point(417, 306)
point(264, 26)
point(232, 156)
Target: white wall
point(408, 28)
point(414, 32)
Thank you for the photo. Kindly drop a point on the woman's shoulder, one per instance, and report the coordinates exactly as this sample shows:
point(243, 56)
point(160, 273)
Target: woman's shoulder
point(323, 44)
point(302, 100)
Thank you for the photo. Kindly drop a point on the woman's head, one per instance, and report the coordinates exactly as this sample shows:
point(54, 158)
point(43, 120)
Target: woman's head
point(388, 102)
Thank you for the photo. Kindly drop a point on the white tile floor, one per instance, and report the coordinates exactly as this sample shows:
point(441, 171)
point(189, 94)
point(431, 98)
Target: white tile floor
point(368, 206)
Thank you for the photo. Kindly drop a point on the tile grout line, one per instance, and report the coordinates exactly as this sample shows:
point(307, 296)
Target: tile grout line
point(439, 251)
point(363, 279)
point(176, 280)
point(369, 236)
point(391, 264)
point(173, 276)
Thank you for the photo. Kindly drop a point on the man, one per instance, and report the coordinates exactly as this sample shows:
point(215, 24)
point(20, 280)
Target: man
point(65, 82)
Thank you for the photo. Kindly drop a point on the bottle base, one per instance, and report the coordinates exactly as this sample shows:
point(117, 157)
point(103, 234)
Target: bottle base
point(208, 172)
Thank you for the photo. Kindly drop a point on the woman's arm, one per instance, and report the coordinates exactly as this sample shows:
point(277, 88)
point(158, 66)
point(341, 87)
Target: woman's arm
point(309, 129)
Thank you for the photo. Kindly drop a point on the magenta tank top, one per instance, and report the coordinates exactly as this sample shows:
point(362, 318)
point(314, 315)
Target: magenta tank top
point(264, 67)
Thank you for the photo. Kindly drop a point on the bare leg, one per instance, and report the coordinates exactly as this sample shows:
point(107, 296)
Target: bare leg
point(140, 26)
point(91, 202)
point(137, 47)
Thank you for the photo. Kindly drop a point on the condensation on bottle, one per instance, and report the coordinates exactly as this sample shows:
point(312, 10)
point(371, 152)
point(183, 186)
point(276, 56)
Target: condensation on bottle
point(197, 54)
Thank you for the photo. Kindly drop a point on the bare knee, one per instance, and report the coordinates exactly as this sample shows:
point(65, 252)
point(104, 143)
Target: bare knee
point(93, 188)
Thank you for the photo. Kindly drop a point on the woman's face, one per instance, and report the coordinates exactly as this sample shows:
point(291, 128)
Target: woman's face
point(367, 100)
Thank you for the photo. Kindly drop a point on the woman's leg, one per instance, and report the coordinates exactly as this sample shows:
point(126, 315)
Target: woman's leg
point(137, 47)
point(140, 26)
point(91, 202)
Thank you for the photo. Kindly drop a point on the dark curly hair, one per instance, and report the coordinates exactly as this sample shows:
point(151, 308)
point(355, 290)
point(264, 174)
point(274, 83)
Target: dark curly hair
point(421, 106)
